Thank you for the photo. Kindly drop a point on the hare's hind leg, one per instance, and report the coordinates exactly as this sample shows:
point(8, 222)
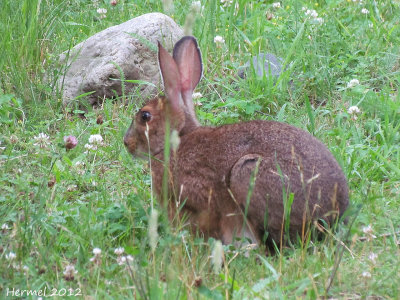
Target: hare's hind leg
point(241, 184)
point(257, 190)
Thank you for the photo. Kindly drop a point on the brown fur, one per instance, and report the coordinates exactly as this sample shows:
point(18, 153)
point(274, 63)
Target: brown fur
point(212, 168)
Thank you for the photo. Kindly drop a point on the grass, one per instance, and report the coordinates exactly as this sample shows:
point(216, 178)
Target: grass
point(55, 212)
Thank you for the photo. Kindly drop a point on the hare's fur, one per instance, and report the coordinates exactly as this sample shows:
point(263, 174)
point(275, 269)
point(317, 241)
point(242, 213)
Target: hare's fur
point(213, 168)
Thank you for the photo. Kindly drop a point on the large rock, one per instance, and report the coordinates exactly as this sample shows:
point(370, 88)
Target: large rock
point(93, 65)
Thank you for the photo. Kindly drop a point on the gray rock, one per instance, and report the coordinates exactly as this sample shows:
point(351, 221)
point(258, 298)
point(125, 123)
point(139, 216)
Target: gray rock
point(263, 62)
point(93, 65)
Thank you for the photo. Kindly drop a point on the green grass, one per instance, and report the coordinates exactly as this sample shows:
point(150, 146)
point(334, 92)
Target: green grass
point(57, 213)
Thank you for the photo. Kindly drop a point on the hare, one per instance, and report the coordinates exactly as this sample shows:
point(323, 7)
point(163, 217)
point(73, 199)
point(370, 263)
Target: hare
point(262, 180)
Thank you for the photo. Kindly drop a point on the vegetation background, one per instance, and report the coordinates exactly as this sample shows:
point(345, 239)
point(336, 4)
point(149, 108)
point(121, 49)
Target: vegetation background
point(64, 215)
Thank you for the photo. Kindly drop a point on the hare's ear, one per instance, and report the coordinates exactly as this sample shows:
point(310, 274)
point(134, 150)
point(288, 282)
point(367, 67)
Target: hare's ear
point(188, 58)
point(171, 78)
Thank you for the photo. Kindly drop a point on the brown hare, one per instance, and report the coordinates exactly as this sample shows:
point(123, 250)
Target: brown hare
point(263, 180)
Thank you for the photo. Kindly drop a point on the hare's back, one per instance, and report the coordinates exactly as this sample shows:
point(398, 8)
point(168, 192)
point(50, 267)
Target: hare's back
point(276, 142)
point(269, 138)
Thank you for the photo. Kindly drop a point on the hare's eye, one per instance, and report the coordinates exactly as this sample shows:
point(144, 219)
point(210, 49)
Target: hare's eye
point(146, 116)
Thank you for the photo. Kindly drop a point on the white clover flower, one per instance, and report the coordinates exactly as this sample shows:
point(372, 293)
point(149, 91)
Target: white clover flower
point(353, 83)
point(42, 140)
point(70, 269)
point(312, 13)
point(95, 139)
point(96, 251)
point(365, 11)
point(219, 40)
point(353, 110)
point(5, 227)
point(121, 260)
point(367, 229)
point(89, 147)
point(11, 256)
point(101, 11)
point(276, 5)
point(42, 136)
point(119, 251)
point(25, 268)
point(69, 272)
point(366, 274)
point(372, 257)
point(196, 95)
point(97, 256)
point(124, 260)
